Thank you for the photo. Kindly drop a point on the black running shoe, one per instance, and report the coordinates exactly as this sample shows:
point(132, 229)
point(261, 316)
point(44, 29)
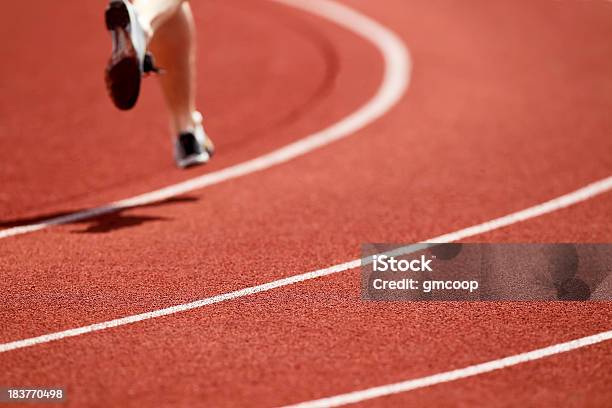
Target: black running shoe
point(129, 59)
point(193, 147)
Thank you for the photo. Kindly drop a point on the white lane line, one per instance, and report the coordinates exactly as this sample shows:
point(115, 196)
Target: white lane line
point(470, 371)
point(572, 198)
point(396, 78)
point(582, 194)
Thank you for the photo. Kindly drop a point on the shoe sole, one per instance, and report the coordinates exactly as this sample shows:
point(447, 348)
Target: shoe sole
point(193, 160)
point(123, 74)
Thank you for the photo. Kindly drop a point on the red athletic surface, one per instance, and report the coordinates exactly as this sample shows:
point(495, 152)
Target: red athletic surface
point(509, 106)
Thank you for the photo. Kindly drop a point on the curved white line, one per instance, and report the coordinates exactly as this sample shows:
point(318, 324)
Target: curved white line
point(558, 203)
point(395, 82)
point(470, 371)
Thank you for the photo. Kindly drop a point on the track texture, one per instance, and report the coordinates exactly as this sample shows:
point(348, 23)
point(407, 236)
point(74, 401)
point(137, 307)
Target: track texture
point(509, 106)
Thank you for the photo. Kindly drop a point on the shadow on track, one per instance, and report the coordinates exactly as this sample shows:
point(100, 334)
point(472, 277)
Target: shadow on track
point(106, 222)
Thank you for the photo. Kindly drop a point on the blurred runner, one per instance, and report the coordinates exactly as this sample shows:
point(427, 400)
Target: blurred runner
point(166, 28)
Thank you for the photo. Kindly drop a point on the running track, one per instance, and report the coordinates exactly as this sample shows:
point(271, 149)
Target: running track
point(508, 107)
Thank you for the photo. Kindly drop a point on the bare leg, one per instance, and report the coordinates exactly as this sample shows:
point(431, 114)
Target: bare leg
point(171, 30)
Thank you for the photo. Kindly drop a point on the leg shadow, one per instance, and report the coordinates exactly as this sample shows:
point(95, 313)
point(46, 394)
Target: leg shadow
point(106, 222)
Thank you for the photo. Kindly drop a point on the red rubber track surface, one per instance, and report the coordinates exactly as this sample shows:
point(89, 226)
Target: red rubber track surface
point(509, 106)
